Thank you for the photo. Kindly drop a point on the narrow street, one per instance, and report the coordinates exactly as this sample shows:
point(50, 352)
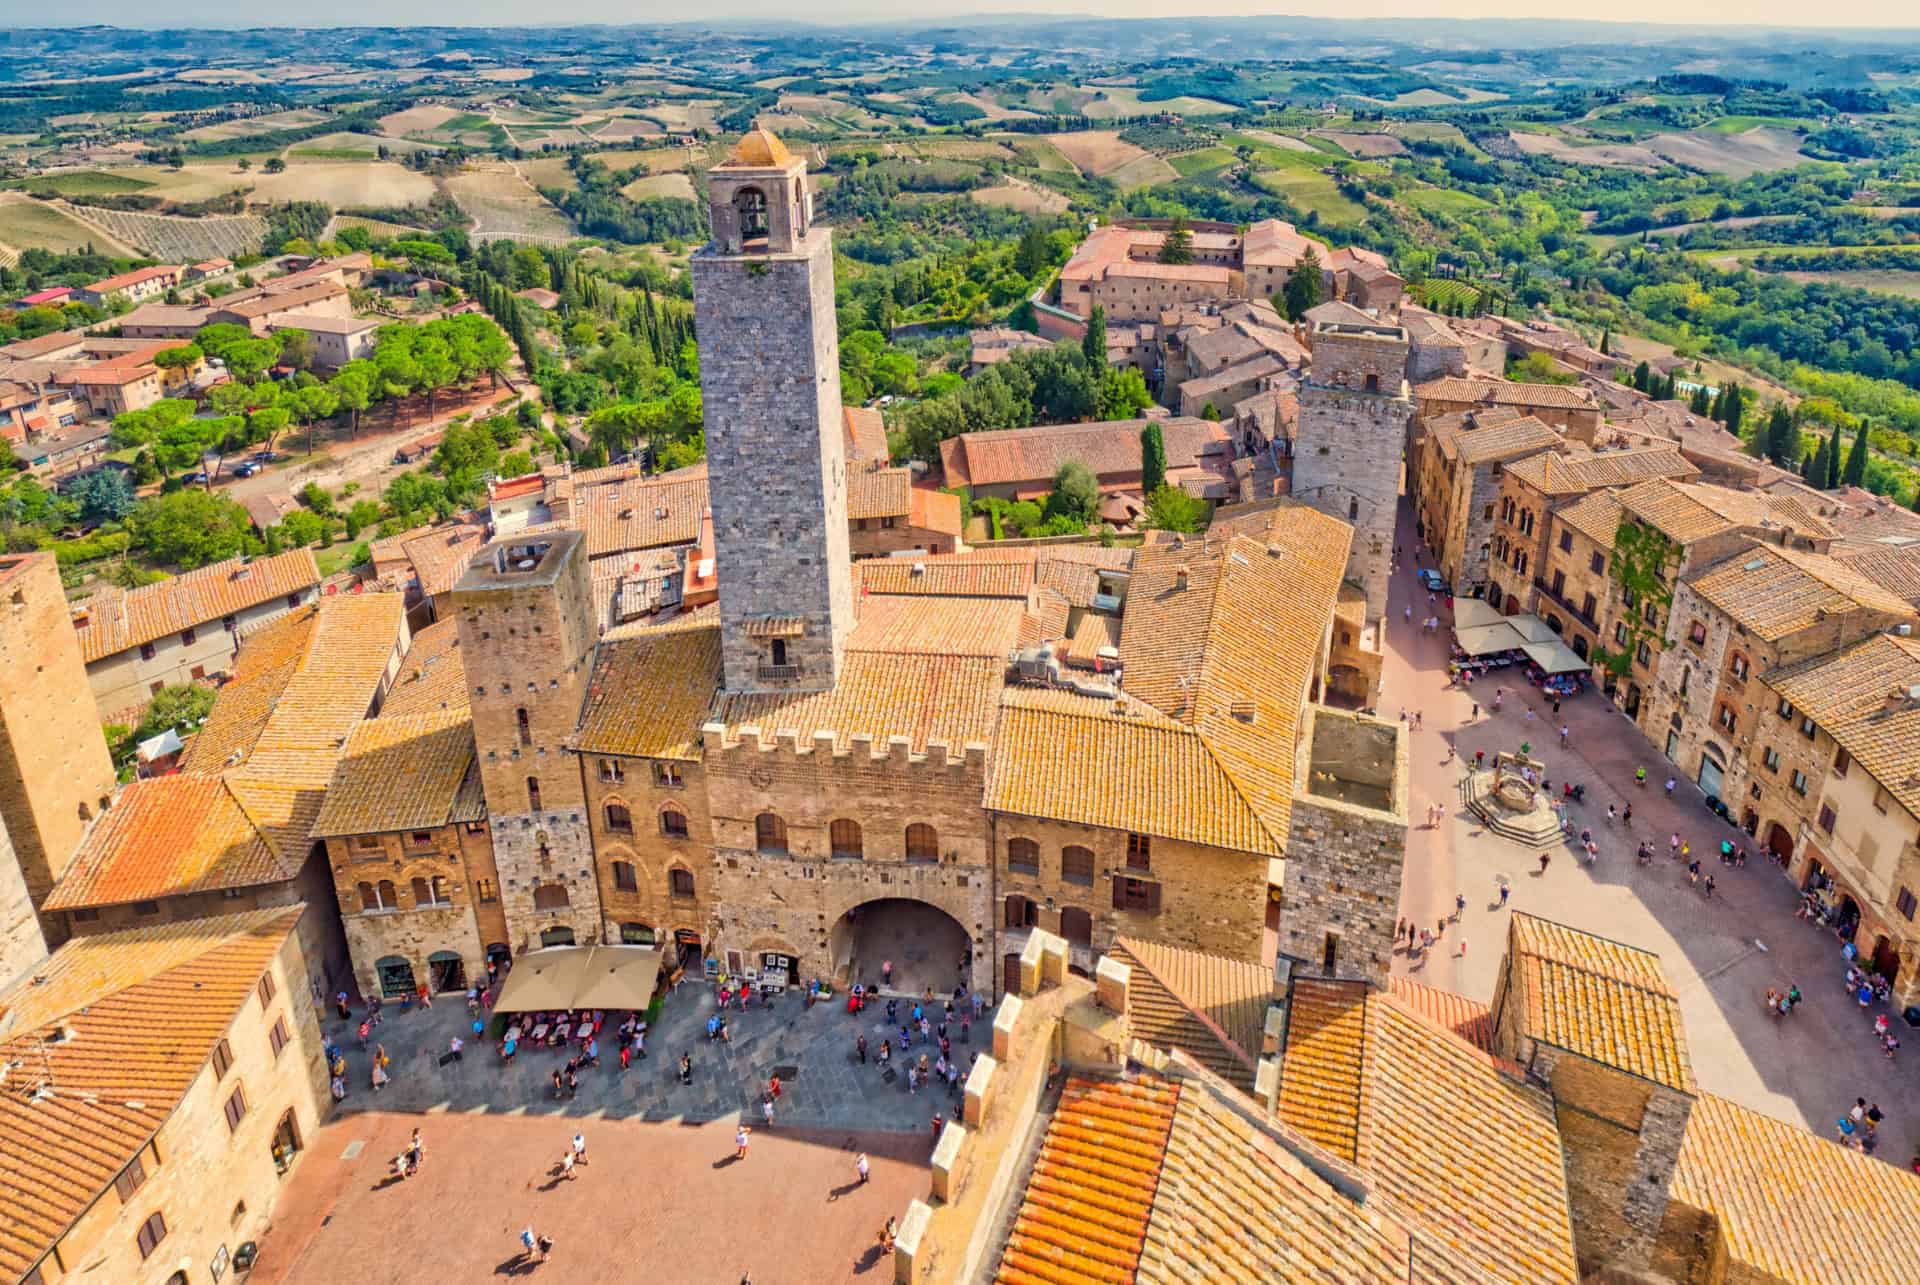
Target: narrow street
point(1720, 954)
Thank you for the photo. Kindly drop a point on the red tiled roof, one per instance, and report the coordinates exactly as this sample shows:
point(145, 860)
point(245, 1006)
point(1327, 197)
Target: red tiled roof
point(117, 619)
point(1030, 455)
point(164, 837)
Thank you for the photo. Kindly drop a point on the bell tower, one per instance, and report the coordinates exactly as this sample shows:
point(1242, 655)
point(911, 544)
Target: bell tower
point(770, 386)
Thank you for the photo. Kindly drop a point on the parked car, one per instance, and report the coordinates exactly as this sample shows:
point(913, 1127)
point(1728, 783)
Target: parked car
point(1433, 582)
point(267, 457)
point(195, 479)
point(248, 469)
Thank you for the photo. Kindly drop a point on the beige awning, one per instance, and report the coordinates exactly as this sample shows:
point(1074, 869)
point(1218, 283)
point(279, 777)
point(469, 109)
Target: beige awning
point(1474, 613)
point(1488, 639)
point(1555, 657)
point(562, 977)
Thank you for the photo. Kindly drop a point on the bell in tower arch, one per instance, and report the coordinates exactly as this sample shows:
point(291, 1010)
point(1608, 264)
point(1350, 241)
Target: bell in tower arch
point(750, 208)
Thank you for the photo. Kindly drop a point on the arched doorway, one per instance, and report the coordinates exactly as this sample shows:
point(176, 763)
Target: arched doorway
point(1076, 925)
point(1580, 646)
point(1780, 843)
point(1346, 687)
point(286, 1140)
point(1631, 707)
point(498, 952)
point(927, 946)
point(632, 934)
point(1513, 605)
point(1712, 777)
point(556, 936)
point(446, 971)
point(395, 976)
point(1886, 959)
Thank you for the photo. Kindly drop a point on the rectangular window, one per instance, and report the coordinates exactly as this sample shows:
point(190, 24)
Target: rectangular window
point(668, 776)
point(1619, 633)
point(1697, 633)
point(1587, 604)
point(420, 838)
point(1827, 817)
point(1841, 762)
point(1807, 729)
point(229, 623)
point(146, 907)
point(1139, 852)
point(187, 636)
point(484, 891)
point(1598, 564)
point(197, 673)
point(1905, 904)
point(1799, 781)
point(266, 989)
point(1559, 584)
point(368, 842)
point(1644, 655)
point(152, 1232)
point(146, 651)
point(1881, 799)
point(236, 1108)
point(277, 1038)
point(1785, 709)
point(1771, 758)
point(1726, 717)
point(1566, 542)
point(134, 1176)
point(85, 915)
point(612, 772)
point(1136, 894)
point(222, 1059)
point(1330, 954)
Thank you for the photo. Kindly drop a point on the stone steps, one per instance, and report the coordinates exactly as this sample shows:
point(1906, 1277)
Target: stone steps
point(1536, 829)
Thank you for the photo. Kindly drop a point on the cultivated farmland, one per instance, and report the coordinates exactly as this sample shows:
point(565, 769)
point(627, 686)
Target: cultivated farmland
point(27, 224)
point(174, 239)
point(502, 205)
point(1096, 153)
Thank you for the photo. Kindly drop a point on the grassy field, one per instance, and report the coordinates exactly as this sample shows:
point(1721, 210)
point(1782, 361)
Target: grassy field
point(338, 183)
point(1097, 153)
point(231, 129)
point(1443, 201)
point(423, 119)
point(1124, 100)
point(1187, 164)
point(27, 224)
point(1021, 196)
point(1311, 190)
point(502, 205)
point(1147, 171)
point(1894, 281)
point(1370, 145)
point(84, 183)
point(677, 184)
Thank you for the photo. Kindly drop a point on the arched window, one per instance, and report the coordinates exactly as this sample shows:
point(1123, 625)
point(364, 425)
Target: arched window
point(845, 839)
point(389, 899)
point(673, 823)
point(1021, 912)
point(923, 842)
point(1023, 856)
point(368, 900)
point(750, 204)
point(1076, 925)
point(551, 896)
point(422, 892)
point(770, 834)
point(680, 883)
point(619, 820)
point(1076, 865)
point(623, 877)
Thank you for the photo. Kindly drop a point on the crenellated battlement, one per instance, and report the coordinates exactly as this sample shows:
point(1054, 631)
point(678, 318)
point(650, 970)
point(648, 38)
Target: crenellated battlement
point(752, 740)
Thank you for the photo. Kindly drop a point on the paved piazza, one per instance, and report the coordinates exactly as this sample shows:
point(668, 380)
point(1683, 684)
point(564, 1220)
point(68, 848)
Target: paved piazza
point(1721, 955)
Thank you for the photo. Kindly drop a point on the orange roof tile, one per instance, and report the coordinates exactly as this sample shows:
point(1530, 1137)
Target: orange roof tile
point(431, 675)
point(953, 699)
point(878, 492)
point(1858, 696)
point(1503, 392)
point(440, 556)
point(1774, 591)
point(1208, 1006)
point(167, 836)
point(143, 1010)
point(992, 574)
point(118, 619)
point(1033, 455)
point(1471, 1020)
point(913, 626)
point(651, 690)
point(930, 510)
point(866, 433)
point(1554, 474)
point(399, 773)
point(1326, 1045)
point(641, 513)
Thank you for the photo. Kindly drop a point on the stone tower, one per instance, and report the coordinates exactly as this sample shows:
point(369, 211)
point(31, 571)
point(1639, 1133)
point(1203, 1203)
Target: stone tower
point(55, 773)
point(525, 612)
point(1350, 440)
point(770, 383)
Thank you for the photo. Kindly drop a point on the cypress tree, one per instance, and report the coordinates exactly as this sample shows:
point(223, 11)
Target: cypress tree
point(1701, 402)
point(1821, 456)
point(1642, 374)
point(1736, 408)
point(1856, 471)
point(1093, 344)
point(1153, 459)
point(1833, 460)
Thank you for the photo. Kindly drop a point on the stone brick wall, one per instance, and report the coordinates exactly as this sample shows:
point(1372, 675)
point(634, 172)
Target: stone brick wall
point(55, 774)
point(793, 903)
point(215, 1187)
point(22, 945)
point(770, 381)
point(648, 848)
point(412, 929)
point(1570, 555)
point(1476, 530)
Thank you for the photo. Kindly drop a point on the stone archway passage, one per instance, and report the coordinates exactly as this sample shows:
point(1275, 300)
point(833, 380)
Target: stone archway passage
point(926, 944)
point(446, 971)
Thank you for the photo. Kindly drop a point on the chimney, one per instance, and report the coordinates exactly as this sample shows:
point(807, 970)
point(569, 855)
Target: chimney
point(1180, 578)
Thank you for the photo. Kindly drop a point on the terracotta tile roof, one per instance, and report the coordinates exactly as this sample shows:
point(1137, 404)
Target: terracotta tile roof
point(914, 626)
point(144, 1009)
point(1775, 591)
point(440, 556)
point(164, 837)
point(993, 574)
point(1208, 1006)
point(237, 720)
point(1508, 440)
point(1595, 515)
point(931, 510)
point(1033, 455)
point(1796, 1208)
point(1895, 567)
point(1859, 697)
point(1274, 243)
point(878, 492)
point(1084, 1216)
point(118, 619)
point(924, 698)
point(1080, 762)
point(1046, 620)
point(1554, 474)
point(1502, 392)
point(432, 676)
point(1095, 634)
point(1471, 1020)
point(642, 513)
point(651, 690)
point(1603, 1000)
point(1234, 653)
point(1326, 1046)
point(398, 773)
point(866, 430)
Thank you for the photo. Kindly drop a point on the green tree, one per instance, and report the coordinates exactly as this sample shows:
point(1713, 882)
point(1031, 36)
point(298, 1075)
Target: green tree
point(352, 386)
point(176, 358)
point(1833, 461)
point(1855, 473)
point(274, 165)
point(1783, 437)
point(1818, 472)
point(105, 495)
point(300, 528)
point(1076, 493)
point(1178, 246)
point(1701, 401)
point(1171, 509)
point(1641, 375)
point(1034, 253)
point(1093, 344)
point(190, 528)
point(516, 464)
point(1121, 394)
point(1210, 412)
point(180, 707)
point(249, 359)
point(363, 514)
point(296, 349)
point(1736, 409)
point(1538, 368)
point(1302, 290)
point(1153, 458)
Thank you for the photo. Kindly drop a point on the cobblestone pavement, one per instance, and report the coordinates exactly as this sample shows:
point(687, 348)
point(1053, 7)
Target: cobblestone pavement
point(1721, 954)
point(659, 1203)
point(823, 1086)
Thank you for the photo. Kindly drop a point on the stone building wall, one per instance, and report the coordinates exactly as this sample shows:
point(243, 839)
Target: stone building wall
point(1571, 556)
point(770, 381)
point(652, 852)
point(873, 538)
point(1129, 298)
point(215, 1187)
point(126, 680)
point(22, 945)
point(793, 903)
point(412, 929)
point(55, 774)
point(1482, 504)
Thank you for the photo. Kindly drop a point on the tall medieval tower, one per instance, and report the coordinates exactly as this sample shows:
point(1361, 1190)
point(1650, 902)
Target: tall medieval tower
point(770, 386)
point(55, 773)
point(1350, 441)
point(527, 634)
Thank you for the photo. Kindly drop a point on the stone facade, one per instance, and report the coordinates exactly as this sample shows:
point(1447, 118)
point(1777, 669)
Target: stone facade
point(415, 897)
point(795, 902)
point(1575, 592)
point(770, 381)
point(525, 612)
point(215, 1186)
point(1346, 848)
point(129, 679)
point(55, 774)
point(1354, 413)
point(22, 944)
point(666, 827)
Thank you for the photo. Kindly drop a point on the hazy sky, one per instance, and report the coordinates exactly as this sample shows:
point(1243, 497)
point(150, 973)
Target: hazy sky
point(146, 13)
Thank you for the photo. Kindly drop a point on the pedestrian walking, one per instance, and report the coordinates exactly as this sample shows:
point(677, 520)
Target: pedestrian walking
point(566, 1166)
point(860, 1048)
point(340, 1006)
point(1505, 891)
point(686, 1068)
point(1556, 707)
point(1463, 948)
point(626, 1056)
point(545, 1243)
point(938, 1124)
point(1670, 784)
point(766, 1110)
point(740, 1136)
point(1545, 860)
point(580, 1147)
point(528, 1242)
point(773, 1087)
point(1627, 816)
point(1564, 730)
point(1459, 905)
point(860, 1167)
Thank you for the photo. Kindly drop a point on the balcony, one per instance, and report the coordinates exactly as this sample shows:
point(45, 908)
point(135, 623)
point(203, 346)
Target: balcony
point(777, 673)
point(1545, 590)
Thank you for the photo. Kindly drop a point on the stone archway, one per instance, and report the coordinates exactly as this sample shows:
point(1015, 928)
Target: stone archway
point(925, 944)
point(1780, 843)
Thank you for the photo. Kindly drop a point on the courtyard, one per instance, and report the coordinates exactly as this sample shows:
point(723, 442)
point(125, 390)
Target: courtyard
point(1721, 955)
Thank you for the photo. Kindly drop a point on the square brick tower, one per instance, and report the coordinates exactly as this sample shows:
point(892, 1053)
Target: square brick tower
point(525, 612)
point(1350, 441)
point(770, 385)
point(55, 773)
